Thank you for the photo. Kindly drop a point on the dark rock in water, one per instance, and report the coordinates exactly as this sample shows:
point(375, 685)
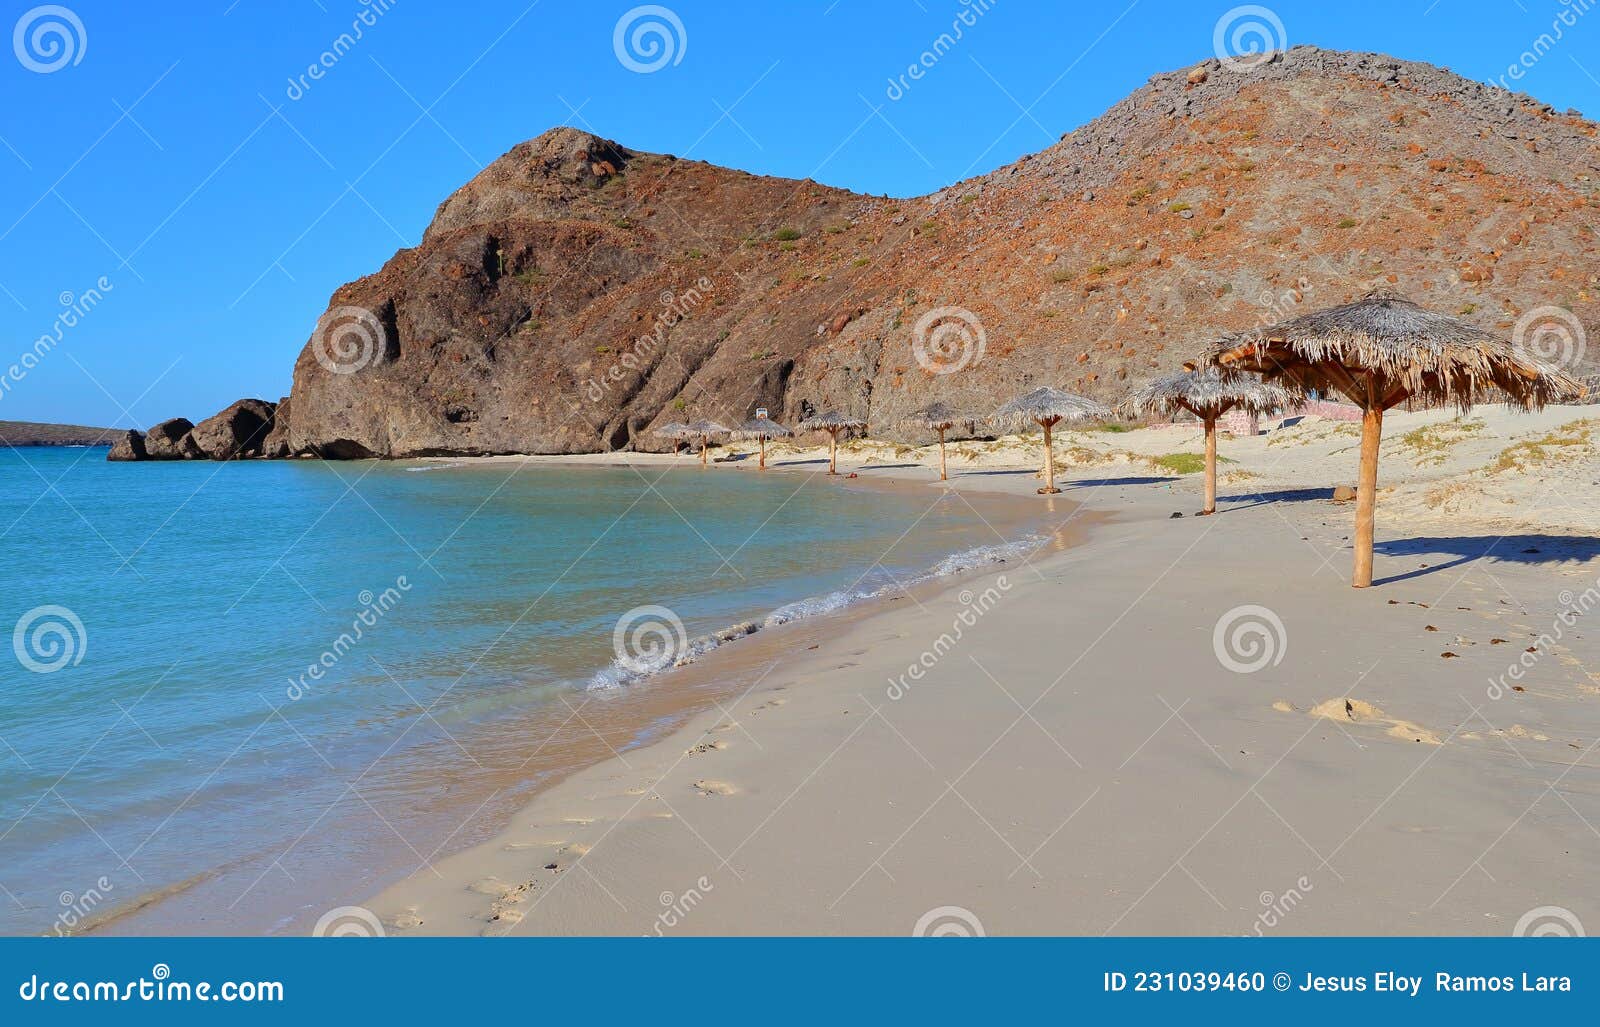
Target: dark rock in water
point(170, 440)
point(238, 431)
point(128, 446)
point(276, 445)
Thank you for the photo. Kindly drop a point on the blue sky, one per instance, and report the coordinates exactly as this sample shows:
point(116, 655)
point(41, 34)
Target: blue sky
point(171, 156)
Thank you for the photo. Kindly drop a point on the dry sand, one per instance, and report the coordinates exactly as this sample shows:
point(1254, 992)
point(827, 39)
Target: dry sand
point(1180, 726)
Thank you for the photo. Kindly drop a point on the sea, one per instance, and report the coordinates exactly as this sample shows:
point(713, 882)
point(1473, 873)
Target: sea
point(239, 694)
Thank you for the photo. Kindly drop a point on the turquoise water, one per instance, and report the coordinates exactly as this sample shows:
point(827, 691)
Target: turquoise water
point(261, 686)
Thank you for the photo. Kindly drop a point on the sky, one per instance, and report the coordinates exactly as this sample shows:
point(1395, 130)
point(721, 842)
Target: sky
point(174, 178)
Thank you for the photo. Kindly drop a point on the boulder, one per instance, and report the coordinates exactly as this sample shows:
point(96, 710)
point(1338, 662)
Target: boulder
point(170, 440)
point(128, 446)
point(238, 431)
point(276, 445)
point(1343, 493)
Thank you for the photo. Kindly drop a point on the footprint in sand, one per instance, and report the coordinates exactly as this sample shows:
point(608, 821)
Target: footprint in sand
point(705, 747)
point(709, 787)
point(725, 727)
point(407, 920)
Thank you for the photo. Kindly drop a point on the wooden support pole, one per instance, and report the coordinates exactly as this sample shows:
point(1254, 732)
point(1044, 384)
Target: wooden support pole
point(942, 476)
point(833, 450)
point(762, 465)
point(1211, 467)
point(1049, 462)
point(704, 441)
point(1367, 484)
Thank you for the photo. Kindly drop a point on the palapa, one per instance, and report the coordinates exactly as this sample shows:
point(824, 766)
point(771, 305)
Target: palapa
point(937, 417)
point(1047, 407)
point(1383, 350)
point(1209, 392)
point(702, 430)
point(833, 423)
point(761, 428)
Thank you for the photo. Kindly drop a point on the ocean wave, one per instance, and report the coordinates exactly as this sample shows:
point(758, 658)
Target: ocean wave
point(620, 674)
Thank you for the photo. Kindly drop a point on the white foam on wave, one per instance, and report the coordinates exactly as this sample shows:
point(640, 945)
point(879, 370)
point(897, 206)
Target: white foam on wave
point(620, 674)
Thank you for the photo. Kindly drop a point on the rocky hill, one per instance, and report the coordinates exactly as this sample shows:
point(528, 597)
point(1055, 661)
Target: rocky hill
point(577, 292)
point(30, 433)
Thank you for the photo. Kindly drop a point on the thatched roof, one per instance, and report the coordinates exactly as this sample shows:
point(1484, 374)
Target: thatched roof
point(1210, 391)
point(703, 427)
point(831, 421)
point(1046, 404)
point(672, 430)
point(938, 417)
point(757, 427)
point(1435, 358)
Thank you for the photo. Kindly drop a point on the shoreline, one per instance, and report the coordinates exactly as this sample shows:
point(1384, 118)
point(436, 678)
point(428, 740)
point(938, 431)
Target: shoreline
point(1295, 534)
point(1081, 748)
point(621, 717)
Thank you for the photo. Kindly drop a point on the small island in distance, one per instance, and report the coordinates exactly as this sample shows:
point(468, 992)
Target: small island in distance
point(28, 433)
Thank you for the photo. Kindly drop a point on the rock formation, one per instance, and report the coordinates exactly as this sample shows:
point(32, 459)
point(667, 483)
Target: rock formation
point(576, 292)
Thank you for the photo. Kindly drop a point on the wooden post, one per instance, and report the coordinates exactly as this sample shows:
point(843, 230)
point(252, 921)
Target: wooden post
point(704, 439)
point(1211, 467)
point(1367, 483)
point(763, 463)
point(833, 450)
point(1049, 463)
point(942, 476)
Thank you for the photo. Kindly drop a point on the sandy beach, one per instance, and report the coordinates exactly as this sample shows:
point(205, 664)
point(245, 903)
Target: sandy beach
point(1170, 726)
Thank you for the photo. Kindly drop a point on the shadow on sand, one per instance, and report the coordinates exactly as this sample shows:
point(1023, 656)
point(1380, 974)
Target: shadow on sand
point(1246, 500)
point(1528, 549)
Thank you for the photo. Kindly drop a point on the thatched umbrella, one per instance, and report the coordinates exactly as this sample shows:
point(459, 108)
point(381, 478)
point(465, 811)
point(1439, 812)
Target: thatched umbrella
point(1047, 407)
point(703, 430)
point(762, 428)
point(1384, 350)
point(833, 423)
point(937, 417)
point(677, 431)
point(1209, 392)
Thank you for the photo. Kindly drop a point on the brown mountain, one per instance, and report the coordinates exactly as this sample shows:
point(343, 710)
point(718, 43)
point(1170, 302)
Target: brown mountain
point(576, 292)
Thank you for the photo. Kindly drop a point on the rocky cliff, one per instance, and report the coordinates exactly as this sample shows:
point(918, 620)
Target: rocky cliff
point(576, 292)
